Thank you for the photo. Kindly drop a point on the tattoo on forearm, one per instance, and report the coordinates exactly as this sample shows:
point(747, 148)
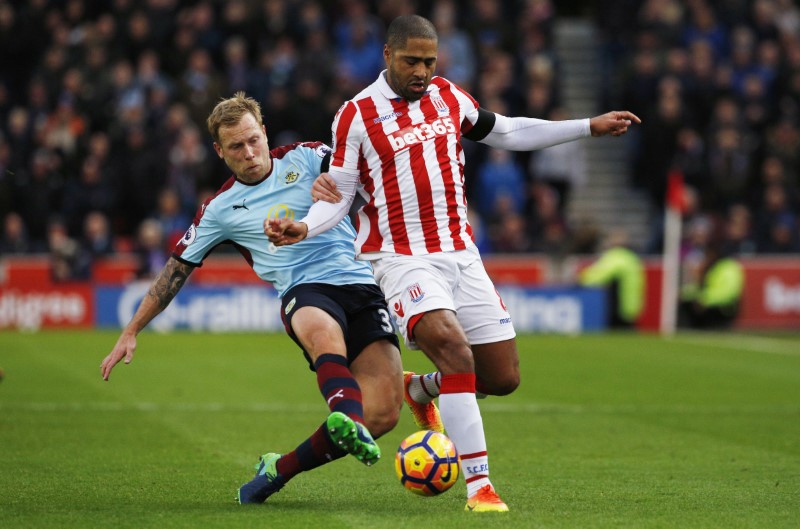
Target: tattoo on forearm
point(169, 282)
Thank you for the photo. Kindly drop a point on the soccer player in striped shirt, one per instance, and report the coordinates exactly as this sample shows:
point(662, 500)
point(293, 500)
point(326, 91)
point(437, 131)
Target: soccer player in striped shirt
point(397, 144)
point(331, 306)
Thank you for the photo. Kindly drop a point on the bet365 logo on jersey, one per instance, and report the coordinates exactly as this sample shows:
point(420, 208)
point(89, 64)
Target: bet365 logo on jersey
point(412, 134)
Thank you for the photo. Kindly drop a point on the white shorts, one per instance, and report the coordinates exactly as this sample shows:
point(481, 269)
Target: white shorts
point(457, 281)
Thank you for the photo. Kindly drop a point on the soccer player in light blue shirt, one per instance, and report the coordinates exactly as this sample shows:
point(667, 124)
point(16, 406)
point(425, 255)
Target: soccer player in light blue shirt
point(331, 306)
point(236, 214)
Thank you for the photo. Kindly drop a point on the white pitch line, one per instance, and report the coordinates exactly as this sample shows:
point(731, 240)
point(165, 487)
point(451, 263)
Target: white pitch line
point(191, 407)
point(491, 405)
point(740, 342)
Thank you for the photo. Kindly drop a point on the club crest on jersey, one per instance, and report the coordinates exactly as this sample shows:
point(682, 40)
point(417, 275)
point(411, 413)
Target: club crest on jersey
point(415, 293)
point(440, 105)
point(190, 235)
point(292, 174)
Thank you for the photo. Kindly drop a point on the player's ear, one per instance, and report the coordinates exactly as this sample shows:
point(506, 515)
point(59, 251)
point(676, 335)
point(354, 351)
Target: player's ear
point(218, 149)
point(387, 54)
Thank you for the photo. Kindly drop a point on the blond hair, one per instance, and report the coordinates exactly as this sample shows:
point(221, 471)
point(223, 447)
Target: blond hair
point(229, 112)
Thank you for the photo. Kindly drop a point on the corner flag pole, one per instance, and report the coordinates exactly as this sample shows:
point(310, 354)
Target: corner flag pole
point(671, 256)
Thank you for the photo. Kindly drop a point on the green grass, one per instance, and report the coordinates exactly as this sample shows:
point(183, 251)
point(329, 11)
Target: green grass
point(607, 431)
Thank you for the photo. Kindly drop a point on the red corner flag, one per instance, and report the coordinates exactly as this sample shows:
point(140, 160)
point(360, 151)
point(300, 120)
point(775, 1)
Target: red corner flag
point(675, 195)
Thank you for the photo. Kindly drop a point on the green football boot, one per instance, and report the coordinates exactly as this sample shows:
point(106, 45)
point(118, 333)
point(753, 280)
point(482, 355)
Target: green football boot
point(353, 438)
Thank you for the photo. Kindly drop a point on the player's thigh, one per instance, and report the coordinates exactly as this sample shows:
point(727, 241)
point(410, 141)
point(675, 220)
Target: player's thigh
point(414, 285)
point(481, 311)
point(440, 336)
point(318, 332)
point(497, 366)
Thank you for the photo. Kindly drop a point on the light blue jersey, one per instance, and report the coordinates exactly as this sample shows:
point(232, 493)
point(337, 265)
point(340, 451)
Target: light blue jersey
point(236, 214)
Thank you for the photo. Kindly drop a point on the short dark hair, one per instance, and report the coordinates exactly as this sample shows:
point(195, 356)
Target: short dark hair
point(407, 27)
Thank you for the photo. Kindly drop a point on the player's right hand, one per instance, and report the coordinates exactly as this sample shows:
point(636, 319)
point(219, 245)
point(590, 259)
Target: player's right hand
point(324, 188)
point(124, 348)
point(284, 231)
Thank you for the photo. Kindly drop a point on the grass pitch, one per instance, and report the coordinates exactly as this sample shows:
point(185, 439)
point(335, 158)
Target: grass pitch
point(606, 431)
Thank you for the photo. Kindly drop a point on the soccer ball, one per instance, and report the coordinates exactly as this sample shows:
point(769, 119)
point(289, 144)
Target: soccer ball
point(427, 463)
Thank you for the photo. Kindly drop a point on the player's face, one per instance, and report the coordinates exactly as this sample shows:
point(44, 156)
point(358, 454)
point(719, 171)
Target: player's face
point(410, 69)
point(245, 149)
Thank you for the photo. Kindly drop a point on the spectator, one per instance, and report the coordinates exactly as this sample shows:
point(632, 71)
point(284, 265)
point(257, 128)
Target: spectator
point(64, 128)
point(547, 228)
point(188, 168)
point(171, 216)
point(149, 75)
point(151, 250)
point(500, 177)
point(360, 57)
point(38, 194)
point(711, 298)
point(91, 191)
point(15, 237)
point(97, 240)
point(19, 138)
point(200, 85)
point(456, 55)
point(140, 174)
point(776, 227)
point(237, 68)
point(620, 272)
point(68, 261)
point(739, 231)
point(562, 167)
point(729, 165)
point(506, 227)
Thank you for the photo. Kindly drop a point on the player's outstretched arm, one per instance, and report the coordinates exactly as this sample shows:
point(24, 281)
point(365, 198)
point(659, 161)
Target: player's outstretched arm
point(615, 123)
point(282, 232)
point(161, 292)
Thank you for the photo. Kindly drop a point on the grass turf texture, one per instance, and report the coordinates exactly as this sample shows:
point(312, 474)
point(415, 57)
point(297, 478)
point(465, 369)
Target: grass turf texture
point(700, 431)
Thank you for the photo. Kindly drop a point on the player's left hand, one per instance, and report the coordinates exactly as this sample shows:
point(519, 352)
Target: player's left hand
point(324, 188)
point(282, 232)
point(615, 123)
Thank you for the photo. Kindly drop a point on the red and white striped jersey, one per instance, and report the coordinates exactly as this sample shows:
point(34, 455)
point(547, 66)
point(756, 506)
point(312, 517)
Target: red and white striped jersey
point(410, 166)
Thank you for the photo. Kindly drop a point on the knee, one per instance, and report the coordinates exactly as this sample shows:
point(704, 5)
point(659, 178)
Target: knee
point(382, 421)
point(505, 384)
point(508, 385)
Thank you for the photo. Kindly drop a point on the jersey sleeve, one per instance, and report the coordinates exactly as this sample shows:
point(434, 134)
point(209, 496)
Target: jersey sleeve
point(318, 158)
point(469, 106)
point(203, 235)
point(348, 133)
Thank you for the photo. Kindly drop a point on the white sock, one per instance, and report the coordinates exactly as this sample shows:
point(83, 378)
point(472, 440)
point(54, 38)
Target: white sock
point(425, 388)
point(462, 420)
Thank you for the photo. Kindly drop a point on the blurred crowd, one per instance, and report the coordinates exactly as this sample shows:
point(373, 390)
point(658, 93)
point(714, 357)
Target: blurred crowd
point(103, 145)
point(717, 83)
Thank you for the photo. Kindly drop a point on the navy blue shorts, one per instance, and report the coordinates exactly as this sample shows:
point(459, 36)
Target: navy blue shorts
point(360, 310)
